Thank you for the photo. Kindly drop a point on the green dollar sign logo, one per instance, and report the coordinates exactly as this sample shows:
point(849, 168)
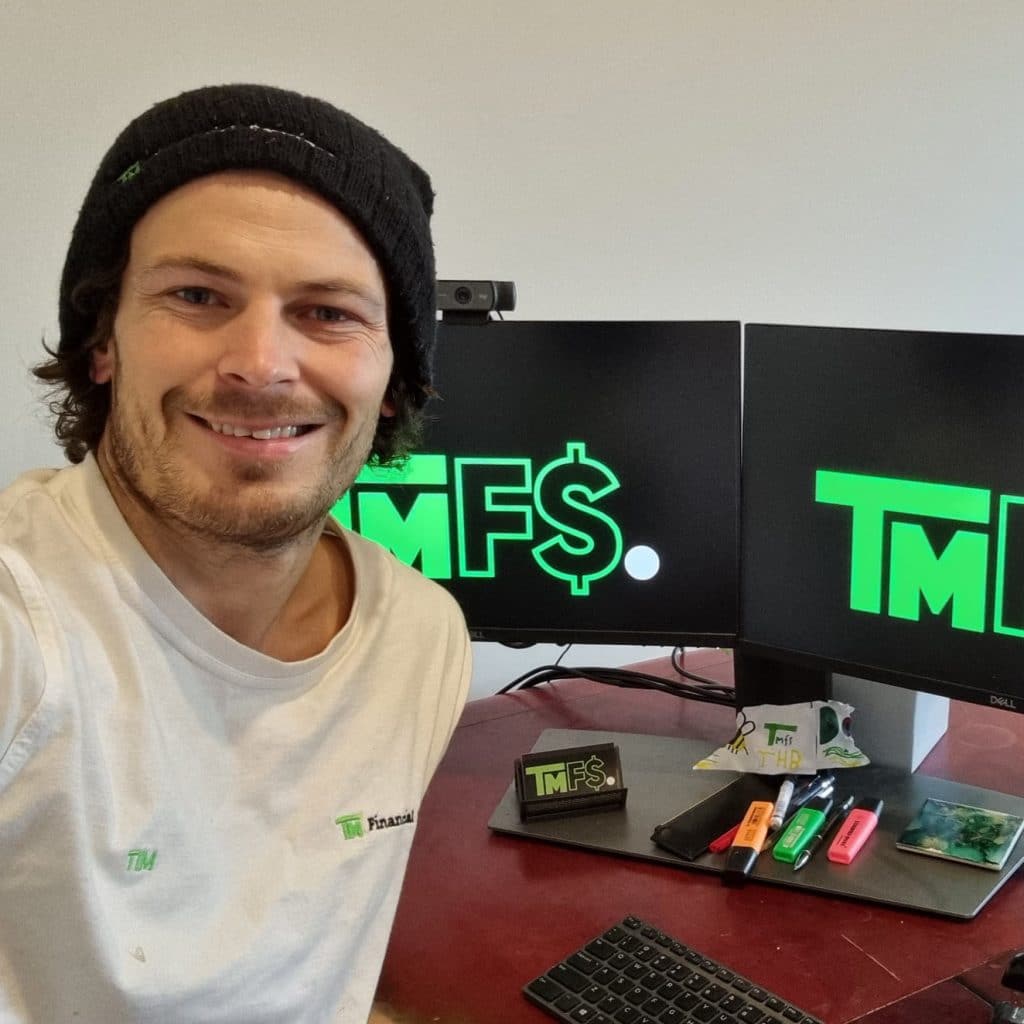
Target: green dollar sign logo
point(588, 544)
point(595, 777)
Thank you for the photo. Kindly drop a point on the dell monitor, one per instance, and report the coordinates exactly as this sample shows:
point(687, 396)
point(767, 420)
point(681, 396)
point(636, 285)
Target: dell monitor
point(883, 508)
point(578, 481)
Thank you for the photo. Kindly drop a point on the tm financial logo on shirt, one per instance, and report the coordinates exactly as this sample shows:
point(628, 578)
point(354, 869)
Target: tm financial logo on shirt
point(355, 826)
point(555, 508)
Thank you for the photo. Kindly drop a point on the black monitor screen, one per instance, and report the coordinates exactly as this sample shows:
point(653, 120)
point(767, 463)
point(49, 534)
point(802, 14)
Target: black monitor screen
point(577, 482)
point(883, 506)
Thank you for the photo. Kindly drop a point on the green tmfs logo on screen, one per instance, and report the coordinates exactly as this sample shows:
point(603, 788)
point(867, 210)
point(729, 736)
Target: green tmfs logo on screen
point(554, 508)
point(957, 576)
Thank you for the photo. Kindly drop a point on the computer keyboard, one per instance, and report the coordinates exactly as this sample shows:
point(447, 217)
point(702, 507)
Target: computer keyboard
point(635, 974)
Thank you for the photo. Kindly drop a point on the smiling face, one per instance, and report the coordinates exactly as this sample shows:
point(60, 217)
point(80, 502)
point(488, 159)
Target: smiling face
point(248, 363)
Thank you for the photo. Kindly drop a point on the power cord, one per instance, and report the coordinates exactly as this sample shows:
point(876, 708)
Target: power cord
point(706, 690)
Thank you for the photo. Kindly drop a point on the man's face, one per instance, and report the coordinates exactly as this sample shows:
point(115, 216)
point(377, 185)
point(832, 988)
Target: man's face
point(249, 360)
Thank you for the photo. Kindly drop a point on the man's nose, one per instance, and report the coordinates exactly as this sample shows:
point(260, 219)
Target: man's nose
point(259, 348)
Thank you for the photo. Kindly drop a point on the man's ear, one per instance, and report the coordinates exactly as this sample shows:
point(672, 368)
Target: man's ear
point(101, 367)
point(389, 404)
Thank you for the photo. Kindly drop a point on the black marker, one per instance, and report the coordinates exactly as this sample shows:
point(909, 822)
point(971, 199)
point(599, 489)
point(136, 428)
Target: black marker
point(834, 819)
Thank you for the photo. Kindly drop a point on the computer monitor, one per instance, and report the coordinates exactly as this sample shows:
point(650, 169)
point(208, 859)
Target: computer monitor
point(579, 481)
point(883, 508)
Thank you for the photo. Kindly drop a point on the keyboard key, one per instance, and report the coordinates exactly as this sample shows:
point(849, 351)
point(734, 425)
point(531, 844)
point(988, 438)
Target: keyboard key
point(601, 949)
point(567, 1002)
point(713, 993)
point(750, 1015)
point(584, 963)
point(654, 1006)
point(670, 990)
point(586, 1015)
point(732, 1004)
point(567, 977)
point(546, 989)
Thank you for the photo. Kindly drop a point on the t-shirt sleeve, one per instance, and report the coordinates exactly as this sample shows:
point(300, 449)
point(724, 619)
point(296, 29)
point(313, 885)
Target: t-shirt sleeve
point(455, 688)
point(21, 667)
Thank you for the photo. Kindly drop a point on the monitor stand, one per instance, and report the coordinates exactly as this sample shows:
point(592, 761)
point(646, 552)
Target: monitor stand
point(893, 726)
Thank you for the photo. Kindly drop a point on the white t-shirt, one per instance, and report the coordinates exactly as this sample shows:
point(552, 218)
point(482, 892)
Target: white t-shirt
point(191, 831)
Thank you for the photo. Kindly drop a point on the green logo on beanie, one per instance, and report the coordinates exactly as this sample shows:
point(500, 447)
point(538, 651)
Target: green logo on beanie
point(130, 173)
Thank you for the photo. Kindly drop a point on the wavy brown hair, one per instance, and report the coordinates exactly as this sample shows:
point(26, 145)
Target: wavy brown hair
point(80, 406)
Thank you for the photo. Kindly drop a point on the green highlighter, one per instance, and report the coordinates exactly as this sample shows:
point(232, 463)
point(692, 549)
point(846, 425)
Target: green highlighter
point(806, 824)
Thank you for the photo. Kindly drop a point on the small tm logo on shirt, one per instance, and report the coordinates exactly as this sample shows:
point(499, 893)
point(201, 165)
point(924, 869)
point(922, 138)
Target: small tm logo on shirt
point(141, 860)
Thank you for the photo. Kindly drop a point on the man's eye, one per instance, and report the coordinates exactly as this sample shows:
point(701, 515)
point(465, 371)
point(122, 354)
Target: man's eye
point(195, 296)
point(330, 314)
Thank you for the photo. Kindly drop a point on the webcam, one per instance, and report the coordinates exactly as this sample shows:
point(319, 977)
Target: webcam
point(479, 297)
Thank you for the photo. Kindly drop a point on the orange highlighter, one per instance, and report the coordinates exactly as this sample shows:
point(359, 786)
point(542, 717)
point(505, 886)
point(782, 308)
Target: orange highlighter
point(748, 842)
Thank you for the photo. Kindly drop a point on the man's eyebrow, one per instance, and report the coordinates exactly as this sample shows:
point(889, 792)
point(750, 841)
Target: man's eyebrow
point(338, 285)
point(343, 286)
point(191, 263)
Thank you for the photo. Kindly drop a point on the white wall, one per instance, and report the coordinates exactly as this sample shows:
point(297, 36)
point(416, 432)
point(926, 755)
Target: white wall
point(833, 162)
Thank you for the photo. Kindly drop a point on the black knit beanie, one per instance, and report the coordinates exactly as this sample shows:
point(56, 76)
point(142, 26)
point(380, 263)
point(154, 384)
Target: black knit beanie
point(217, 128)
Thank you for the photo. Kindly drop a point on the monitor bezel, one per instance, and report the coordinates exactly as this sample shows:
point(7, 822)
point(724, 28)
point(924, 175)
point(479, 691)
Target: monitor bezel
point(522, 636)
point(902, 678)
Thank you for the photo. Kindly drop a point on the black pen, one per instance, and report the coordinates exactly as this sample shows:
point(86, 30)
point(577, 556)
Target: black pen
point(799, 799)
point(811, 788)
point(826, 829)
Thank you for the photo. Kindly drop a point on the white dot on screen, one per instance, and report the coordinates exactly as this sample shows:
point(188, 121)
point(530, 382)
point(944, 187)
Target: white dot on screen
point(642, 562)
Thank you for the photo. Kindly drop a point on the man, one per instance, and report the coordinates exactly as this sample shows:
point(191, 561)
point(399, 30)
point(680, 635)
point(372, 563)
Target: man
point(218, 710)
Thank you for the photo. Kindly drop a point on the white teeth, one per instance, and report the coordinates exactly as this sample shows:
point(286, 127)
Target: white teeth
point(260, 435)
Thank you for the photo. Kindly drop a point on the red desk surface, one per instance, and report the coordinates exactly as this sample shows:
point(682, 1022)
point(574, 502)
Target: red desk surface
point(482, 914)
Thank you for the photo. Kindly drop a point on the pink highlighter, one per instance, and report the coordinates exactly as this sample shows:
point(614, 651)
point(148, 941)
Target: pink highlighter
point(854, 831)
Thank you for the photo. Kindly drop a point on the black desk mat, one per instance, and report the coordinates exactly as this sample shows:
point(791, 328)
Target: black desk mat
point(658, 773)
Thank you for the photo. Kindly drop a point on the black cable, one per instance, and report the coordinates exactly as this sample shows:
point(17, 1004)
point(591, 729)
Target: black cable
point(687, 674)
point(709, 691)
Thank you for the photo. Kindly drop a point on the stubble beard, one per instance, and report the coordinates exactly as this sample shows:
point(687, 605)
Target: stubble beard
point(237, 513)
